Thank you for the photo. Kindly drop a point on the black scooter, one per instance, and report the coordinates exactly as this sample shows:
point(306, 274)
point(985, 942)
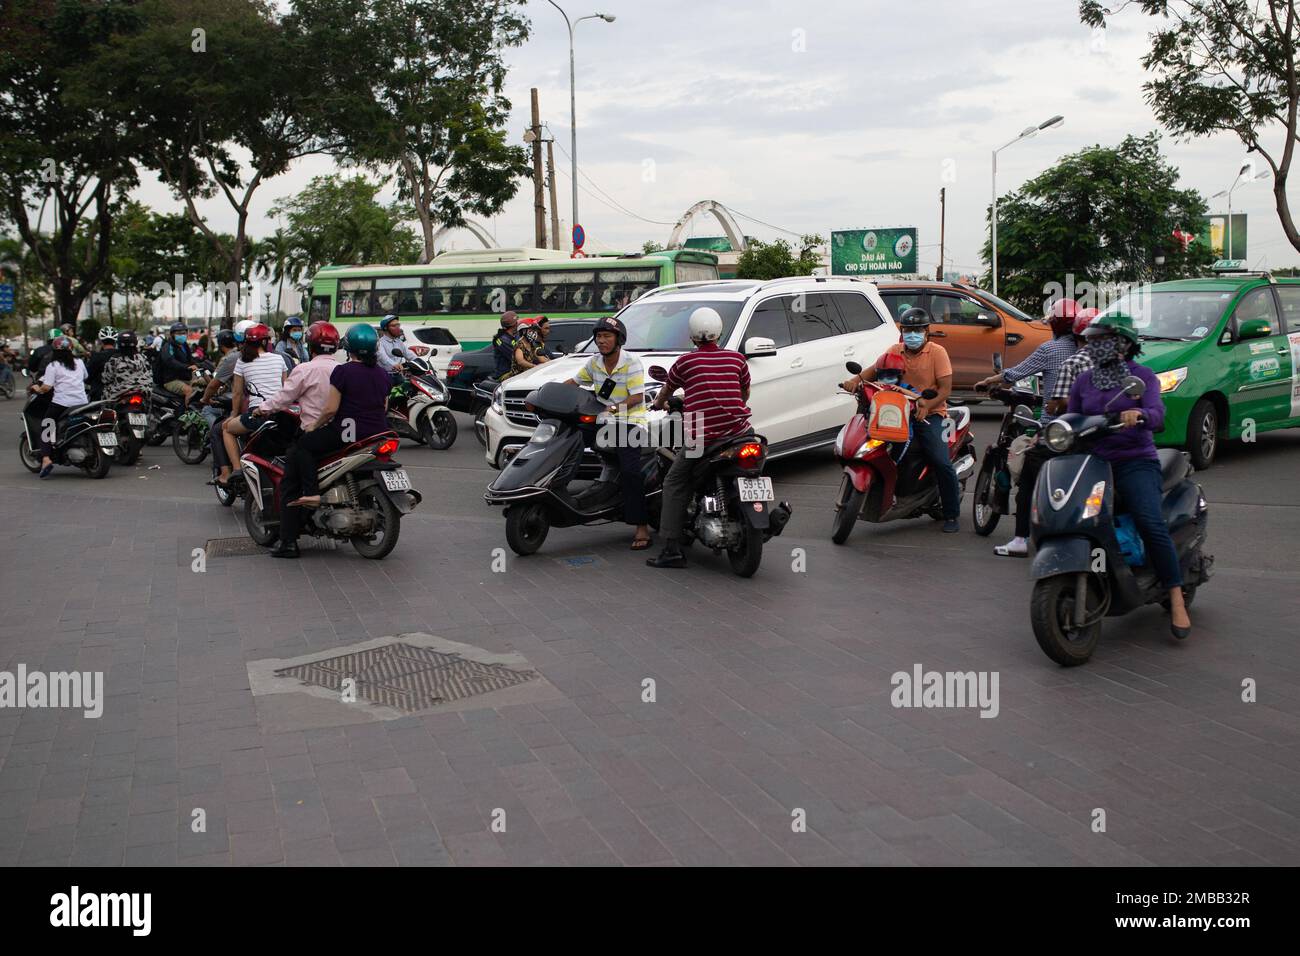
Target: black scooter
point(86, 438)
point(994, 484)
point(1087, 566)
point(534, 487)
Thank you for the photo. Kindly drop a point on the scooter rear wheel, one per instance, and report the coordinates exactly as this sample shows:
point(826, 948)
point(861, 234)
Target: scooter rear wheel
point(847, 510)
point(526, 528)
point(1051, 611)
point(983, 514)
point(254, 522)
point(745, 559)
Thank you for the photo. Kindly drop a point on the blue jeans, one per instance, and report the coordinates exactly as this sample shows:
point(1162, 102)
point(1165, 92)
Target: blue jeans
point(6, 373)
point(928, 439)
point(1137, 480)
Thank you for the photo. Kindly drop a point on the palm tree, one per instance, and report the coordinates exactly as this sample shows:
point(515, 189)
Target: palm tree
point(275, 259)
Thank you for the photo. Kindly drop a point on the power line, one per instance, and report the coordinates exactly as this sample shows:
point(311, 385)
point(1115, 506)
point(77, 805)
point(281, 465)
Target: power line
point(583, 175)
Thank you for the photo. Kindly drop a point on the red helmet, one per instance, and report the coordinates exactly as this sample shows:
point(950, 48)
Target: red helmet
point(322, 337)
point(1062, 316)
point(1082, 319)
point(892, 360)
point(259, 333)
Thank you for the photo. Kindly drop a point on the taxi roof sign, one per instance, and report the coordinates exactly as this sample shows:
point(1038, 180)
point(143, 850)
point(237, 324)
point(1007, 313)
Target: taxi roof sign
point(1229, 265)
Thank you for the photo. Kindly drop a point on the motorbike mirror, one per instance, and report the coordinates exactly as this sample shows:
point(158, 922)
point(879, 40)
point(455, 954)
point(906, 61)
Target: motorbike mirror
point(1023, 411)
point(997, 361)
point(853, 367)
point(929, 393)
point(1134, 387)
point(658, 373)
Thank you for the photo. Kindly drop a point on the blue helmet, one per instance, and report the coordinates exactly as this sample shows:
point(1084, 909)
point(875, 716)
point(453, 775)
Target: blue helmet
point(293, 321)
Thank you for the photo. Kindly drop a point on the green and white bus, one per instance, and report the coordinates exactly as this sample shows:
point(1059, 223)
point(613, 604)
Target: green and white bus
point(466, 292)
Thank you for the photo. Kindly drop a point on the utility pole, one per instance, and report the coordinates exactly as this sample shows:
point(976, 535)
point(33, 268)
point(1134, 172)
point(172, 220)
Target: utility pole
point(555, 209)
point(938, 273)
point(539, 202)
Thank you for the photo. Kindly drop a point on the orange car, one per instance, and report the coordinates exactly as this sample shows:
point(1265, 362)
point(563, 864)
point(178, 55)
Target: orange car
point(971, 324)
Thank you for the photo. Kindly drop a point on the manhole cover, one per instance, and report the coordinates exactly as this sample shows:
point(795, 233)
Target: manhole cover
point(406, 677)
point(243, 546)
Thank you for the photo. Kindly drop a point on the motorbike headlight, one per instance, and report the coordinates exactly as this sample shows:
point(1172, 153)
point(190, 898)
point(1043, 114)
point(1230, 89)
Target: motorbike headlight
point(1059, 436)
point(1172, 379)
point(1092, 506)
point(871, 444)
point(543, 432)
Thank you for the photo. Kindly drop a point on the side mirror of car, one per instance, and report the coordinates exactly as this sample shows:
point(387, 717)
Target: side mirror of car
point(658, 373)
point(991, 319)
point(853, 367)
point(1254, 329)
point(759, 347)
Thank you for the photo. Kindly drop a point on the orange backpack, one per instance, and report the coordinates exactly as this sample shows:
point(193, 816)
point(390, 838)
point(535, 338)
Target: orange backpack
point(888, 420)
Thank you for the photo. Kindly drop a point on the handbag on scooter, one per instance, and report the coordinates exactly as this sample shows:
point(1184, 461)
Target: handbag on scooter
point(1016, 454)
point(889, 419)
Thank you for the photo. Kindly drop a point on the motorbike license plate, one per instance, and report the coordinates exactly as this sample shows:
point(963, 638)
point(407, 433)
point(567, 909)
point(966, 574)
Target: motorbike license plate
point(106, 439)
point(755, 489)
point(396, 480)
point(137, 418)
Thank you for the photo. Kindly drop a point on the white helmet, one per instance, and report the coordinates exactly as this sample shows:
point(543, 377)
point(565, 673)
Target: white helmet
point(242, 327)
point(107, 332)
point(705, 325)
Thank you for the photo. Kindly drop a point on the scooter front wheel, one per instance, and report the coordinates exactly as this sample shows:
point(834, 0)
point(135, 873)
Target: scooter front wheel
point(31, 461)
point(847, 510)
point(438, 429)
point(1051, 610)
point(983, 513)
point(526, 528)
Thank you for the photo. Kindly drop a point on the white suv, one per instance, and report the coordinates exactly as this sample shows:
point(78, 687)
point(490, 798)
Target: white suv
point(797, 334)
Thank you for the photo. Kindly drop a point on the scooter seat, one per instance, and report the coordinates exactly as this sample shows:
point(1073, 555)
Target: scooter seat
point(1175, 465)
point(960, 416)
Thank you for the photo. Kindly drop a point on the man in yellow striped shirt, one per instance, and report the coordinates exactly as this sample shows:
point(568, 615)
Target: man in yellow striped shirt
point(618, 379)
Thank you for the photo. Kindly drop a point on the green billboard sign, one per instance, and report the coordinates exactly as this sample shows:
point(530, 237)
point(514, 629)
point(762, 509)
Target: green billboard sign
point(873, 252)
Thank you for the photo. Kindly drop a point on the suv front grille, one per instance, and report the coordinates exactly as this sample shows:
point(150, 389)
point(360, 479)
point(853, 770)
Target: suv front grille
point(516, 413)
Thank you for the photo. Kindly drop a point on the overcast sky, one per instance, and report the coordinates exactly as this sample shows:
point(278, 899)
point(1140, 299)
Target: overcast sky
point(826, 115)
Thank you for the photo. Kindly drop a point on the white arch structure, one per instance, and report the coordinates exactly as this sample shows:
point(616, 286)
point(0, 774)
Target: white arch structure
point(481, 234)
point(734, 234)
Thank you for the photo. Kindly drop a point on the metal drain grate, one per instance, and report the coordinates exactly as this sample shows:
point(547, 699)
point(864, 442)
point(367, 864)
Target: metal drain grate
point(244, 546)
point(406, 677)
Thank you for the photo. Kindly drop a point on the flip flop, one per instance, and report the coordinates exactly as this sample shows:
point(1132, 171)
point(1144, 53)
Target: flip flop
point(640, 544)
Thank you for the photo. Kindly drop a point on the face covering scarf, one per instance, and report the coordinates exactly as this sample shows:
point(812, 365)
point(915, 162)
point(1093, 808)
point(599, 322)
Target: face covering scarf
point(1108, 369)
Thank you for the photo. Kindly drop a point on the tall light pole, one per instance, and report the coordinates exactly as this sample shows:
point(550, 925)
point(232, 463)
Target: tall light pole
point(1245, 168)
point(1025, 133)
point(573, 98)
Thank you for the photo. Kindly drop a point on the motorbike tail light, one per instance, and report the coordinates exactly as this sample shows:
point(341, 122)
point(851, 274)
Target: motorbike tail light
point(586, 419)
point(387, 447)
point(749, 454)
point(1092, 505)
point(107, 416)
point(454, 368)
point(136, 399)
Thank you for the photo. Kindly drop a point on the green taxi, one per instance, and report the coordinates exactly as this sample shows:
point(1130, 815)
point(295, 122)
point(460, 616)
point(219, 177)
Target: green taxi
point(1227, 353)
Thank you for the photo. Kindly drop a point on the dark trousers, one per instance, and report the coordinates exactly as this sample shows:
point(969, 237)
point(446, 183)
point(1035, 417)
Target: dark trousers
point(219, 457)
point(928, 438)
point(1137, 481)
point(632, 481)
point(300, 465)
point(677, 490)
point(1033, 464)
point(37, 416)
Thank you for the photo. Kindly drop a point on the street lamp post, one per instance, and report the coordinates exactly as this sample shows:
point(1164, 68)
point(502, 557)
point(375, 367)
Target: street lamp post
point(1245, 168)
point(573, 98)
point(1027, 132)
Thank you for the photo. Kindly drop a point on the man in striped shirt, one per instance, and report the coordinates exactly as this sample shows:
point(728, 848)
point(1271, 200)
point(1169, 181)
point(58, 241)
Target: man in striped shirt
point(715, 383)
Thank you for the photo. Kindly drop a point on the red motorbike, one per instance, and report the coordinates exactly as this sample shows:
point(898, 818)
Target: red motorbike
point(887, 481)
point(363, 492)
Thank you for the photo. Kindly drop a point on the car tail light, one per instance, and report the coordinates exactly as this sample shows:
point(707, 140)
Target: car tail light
point(749, 454)
point(420, 349)
point(387, 447)
point(454, 368)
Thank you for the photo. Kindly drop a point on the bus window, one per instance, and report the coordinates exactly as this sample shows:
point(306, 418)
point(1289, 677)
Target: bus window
point(568, 291)
point(443, 294)
point(618, 287)
point(400, 295)
point(695, 272)
point(320, 308)
point(354, 297)
point(511, 291)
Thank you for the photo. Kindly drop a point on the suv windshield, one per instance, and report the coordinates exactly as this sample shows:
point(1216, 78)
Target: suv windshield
point(1178, 316)
point(661, 325)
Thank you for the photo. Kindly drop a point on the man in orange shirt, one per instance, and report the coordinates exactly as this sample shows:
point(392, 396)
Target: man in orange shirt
point(927, 366)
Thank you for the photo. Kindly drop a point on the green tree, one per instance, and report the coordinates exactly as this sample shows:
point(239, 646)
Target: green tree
point(650, 246)
point(1101, 215)
point(774, 260)
point(417, 91)
point(62, 155)
point(338, 220)
point(1225, 66)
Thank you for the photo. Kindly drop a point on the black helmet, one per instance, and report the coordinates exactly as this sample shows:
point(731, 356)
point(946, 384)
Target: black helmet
point(914, 318)
point(126, 341)
point(611, 324)
point(226, 339)
point(178, 327)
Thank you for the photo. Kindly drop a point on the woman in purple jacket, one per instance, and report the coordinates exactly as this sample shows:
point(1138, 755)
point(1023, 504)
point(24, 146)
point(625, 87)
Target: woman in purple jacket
point(1112, 341)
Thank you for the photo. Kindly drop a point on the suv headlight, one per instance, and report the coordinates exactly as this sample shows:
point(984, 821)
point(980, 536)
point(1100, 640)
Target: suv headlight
point(497, 405)
point(1172, 379)
point(1059, 436)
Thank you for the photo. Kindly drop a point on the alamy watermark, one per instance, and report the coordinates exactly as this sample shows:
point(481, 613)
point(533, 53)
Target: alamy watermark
point(70, 689)
point(922, 688)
